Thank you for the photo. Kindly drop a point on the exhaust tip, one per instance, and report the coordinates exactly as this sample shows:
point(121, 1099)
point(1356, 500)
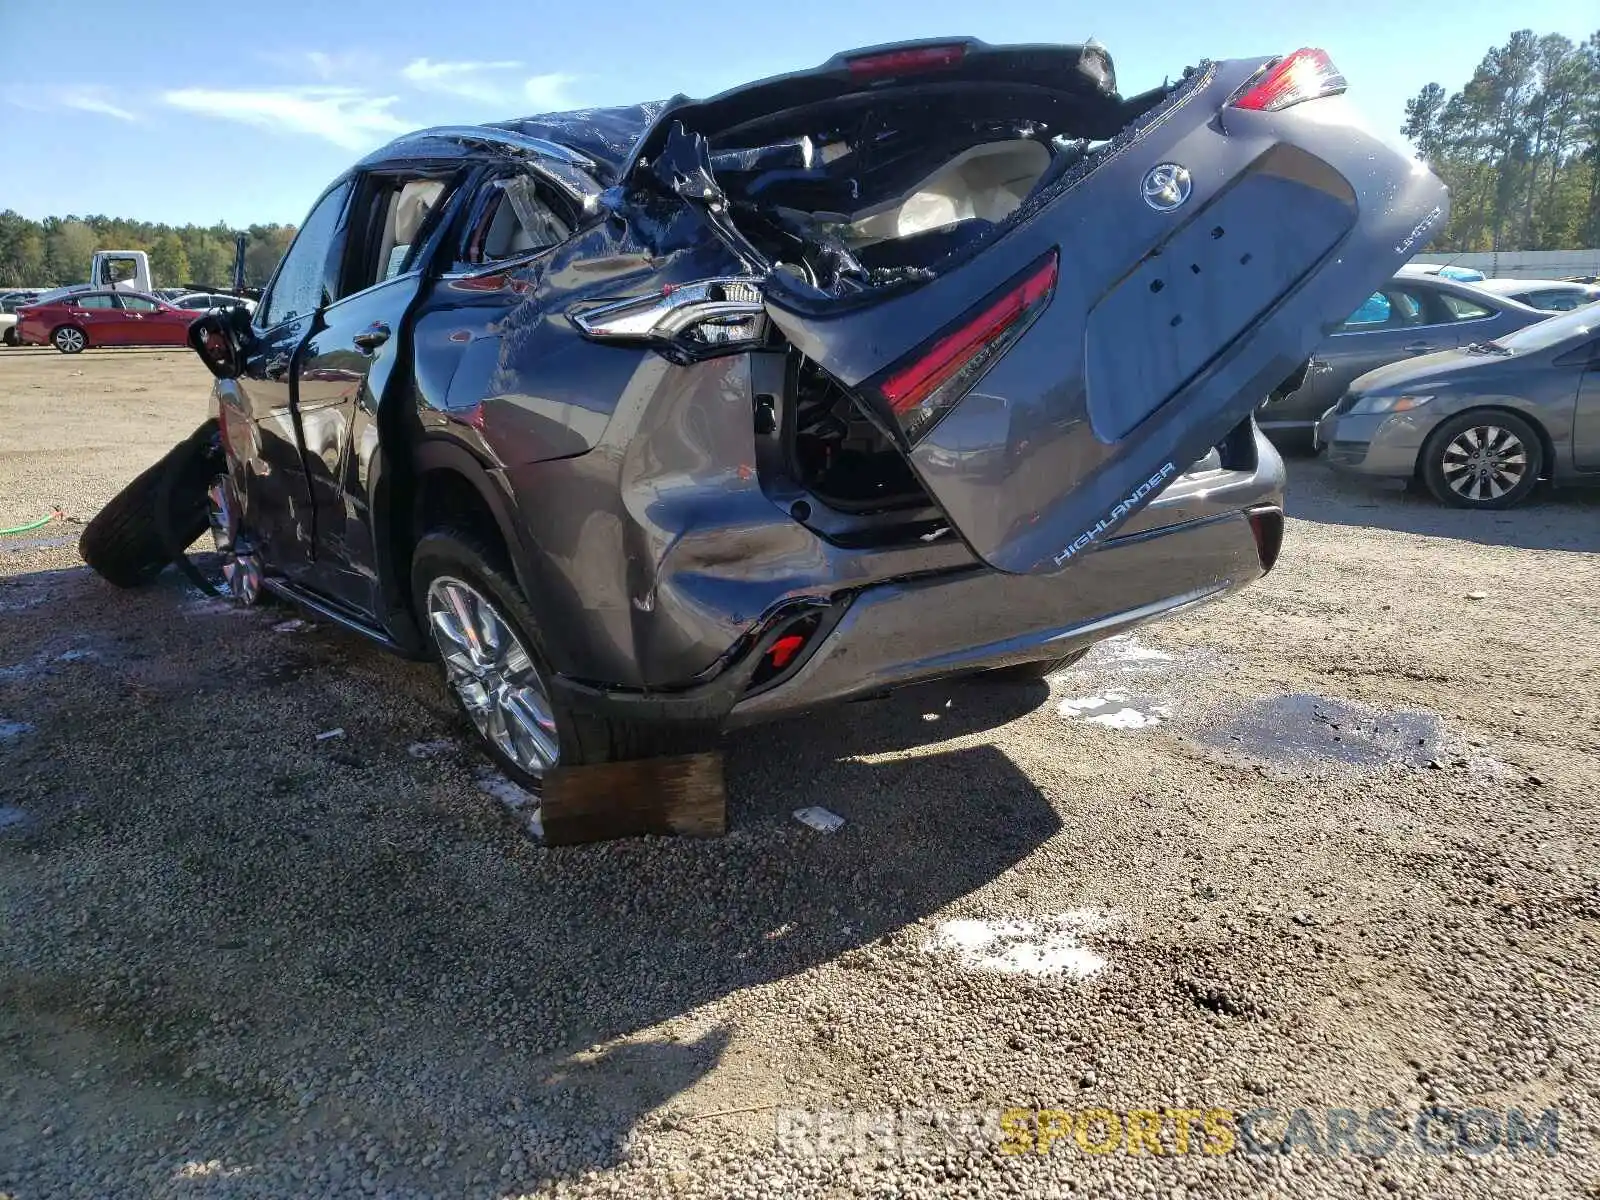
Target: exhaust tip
point(1267, 525)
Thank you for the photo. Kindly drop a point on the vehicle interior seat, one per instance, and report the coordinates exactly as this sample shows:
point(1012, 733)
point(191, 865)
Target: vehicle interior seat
point(986, 182)
point(408, 213)
point(508, 234)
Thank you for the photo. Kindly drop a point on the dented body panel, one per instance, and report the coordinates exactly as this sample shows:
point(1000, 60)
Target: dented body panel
point(647, 491)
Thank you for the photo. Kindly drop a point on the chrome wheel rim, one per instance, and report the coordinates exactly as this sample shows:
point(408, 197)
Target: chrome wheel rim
point(493, 675)
point(69, 340)
point(1484, 462)
point(240, 566)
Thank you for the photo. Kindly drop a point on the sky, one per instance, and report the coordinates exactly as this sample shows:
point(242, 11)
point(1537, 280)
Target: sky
point(200, 112)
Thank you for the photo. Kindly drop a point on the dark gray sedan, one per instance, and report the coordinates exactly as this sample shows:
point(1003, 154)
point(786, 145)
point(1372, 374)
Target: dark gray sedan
point(1411, 315)
point(1480, 426)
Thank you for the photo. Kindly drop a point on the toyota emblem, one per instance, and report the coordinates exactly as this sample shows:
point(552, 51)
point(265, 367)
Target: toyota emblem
point(1166, 186)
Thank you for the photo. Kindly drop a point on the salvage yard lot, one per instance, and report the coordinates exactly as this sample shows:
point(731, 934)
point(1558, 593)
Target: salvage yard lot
point(1331, 843)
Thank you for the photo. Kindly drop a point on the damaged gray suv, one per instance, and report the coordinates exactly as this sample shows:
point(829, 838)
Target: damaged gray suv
point(937, 359)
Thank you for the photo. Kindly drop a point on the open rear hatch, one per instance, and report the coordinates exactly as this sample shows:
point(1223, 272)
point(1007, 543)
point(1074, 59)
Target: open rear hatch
point(1048, 298)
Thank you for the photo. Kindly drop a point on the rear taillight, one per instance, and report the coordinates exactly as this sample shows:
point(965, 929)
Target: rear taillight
point(909, 60)
point(921, 390)
point(1304, 75)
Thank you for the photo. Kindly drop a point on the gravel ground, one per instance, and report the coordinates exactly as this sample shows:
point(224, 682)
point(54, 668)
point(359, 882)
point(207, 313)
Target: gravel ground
point(1330, 844)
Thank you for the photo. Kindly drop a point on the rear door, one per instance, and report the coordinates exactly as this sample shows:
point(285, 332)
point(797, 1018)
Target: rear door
point(101, 319)
point(1392, 324)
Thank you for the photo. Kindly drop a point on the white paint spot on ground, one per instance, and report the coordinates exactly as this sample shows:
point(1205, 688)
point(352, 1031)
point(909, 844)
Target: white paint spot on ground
point(1114, 710)
point(1046, 947)
point(1128, 650)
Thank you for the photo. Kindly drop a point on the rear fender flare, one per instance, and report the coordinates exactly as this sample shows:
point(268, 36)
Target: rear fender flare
point(388, 501)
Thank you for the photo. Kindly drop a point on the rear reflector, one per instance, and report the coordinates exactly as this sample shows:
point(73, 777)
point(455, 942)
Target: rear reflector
point(937, 376)
point(784, 649)
point(911, 61)
point(1304, 75)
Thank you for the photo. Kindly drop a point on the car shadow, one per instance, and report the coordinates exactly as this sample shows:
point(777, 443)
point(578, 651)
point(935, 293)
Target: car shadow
point(351, 939)
point(1553, 519)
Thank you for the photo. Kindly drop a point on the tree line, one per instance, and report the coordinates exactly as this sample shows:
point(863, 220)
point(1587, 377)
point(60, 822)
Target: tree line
point(57, 250)
point(1519, 145)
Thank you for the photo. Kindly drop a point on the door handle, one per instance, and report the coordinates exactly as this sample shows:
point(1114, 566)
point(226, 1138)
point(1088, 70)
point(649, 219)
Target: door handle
point(1419, 347)
point(370, 338)
point(276, 367)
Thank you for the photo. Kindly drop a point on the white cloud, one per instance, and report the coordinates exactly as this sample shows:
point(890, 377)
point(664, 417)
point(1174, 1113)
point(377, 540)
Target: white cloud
point(88, 98)
point(487, 83)
point(548, 93)
point(472, 80)
point(344, 116)
point(90, 101)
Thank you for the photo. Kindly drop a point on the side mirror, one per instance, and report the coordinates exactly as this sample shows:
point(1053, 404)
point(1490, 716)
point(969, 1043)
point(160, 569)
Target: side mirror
point(222, 340)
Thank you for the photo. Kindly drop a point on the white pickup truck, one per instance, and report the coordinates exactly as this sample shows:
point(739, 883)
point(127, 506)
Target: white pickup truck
point(125, 270)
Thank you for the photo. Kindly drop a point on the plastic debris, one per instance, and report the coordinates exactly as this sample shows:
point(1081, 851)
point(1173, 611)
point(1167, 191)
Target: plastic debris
point(819, 818)
point(330, 733)
point(290, 626)
point(516, 800)
point(431, 749)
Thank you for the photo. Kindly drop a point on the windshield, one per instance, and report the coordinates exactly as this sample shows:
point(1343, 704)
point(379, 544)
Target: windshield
point(1579, 323)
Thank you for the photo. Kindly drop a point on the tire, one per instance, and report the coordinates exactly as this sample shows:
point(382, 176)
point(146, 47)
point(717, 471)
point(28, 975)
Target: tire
point(69, 339)
point(1032, 672)
point(10, 337)
point(153, 520)
point(445, 558)
point(1483, 460)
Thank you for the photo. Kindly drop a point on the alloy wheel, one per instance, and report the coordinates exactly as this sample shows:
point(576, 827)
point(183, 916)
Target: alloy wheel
point(69, 340)
point(493, 675)
point(240, 566)
point(1484, 462)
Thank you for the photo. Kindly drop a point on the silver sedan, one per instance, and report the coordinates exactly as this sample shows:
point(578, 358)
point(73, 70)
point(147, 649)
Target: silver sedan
point(1479, 426)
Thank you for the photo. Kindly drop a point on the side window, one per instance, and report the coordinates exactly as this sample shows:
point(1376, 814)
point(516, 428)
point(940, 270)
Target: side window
point(1462, 309)
point(139, 304)
point(301, 283)
point(100, 301)
point(513, 219)
point(392, 220)
point(1373, 314)
point(1555, 301)
point(1405, 308)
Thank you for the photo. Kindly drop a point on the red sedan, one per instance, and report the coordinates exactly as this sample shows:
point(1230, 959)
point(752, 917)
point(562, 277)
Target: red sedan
point(103, 318)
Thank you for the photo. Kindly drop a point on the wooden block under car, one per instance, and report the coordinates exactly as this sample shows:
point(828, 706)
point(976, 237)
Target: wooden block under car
point(680, 795)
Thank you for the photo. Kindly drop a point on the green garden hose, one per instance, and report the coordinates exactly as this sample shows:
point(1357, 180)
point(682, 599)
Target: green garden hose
point(32, 524)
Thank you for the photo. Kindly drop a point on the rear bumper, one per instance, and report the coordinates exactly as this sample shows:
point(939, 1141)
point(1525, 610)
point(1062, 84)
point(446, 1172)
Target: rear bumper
point(1193, 544)
point(901, 633)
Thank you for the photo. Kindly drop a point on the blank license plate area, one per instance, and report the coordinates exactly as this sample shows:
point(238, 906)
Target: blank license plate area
point(1210, 282)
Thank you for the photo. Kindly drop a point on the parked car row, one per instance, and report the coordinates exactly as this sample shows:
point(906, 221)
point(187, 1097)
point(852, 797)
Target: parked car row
point(1470, 388)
